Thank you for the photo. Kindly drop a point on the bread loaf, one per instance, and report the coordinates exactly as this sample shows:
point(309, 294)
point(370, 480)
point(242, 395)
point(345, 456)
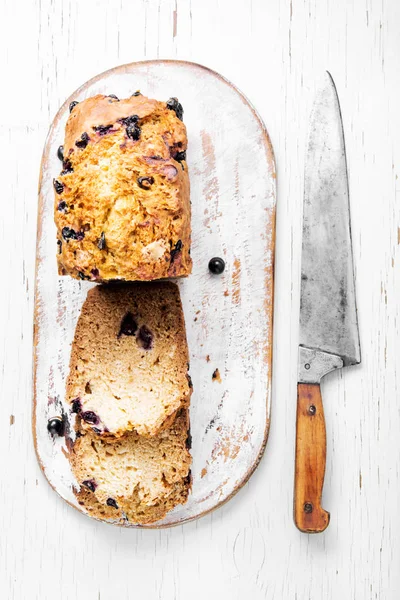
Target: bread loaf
point(135, 479)
point(129, 359)
point(122, 207)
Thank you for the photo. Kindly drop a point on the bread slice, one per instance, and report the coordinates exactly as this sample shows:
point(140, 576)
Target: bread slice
point(122, 206)
point(135, 479)
point(129, 359)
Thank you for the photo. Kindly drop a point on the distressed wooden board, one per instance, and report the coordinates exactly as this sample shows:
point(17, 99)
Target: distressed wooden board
point(228, 318)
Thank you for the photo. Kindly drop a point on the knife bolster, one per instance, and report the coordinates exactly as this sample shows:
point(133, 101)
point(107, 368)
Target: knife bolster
point(314, 364)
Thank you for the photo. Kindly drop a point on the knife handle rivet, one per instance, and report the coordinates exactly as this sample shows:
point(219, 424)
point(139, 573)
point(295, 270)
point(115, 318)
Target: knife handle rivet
point(307, 366)
point(312, 410)
point(308, 507)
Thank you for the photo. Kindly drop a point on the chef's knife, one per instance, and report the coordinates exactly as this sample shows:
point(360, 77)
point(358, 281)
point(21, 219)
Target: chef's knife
point(329, 336)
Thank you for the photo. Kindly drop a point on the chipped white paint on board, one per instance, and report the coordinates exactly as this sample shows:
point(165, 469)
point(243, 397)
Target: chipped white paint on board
point(275, 51)
point(228, 318)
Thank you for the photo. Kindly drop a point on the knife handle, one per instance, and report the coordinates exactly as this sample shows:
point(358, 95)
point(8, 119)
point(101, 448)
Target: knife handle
point(309, 516)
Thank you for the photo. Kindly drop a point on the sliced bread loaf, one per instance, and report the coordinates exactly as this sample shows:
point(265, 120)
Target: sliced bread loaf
point(129, 359)
point(135, 478)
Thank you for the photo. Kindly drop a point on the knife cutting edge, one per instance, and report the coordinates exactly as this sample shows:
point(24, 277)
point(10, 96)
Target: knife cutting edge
point(329, 337)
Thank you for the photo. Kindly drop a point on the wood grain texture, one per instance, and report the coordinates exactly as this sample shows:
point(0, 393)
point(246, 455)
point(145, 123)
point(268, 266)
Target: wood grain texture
point(309, 474)
point(275, 51)
point(233, 215)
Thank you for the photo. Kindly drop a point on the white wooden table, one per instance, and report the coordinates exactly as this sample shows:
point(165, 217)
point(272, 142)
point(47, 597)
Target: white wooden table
point(275, 51)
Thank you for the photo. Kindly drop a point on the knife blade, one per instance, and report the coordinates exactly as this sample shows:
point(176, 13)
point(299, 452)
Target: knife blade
point(329, 337)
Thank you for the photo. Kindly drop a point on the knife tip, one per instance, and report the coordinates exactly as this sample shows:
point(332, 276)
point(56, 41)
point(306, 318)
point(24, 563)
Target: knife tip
point(328, 76)
point(326, 88)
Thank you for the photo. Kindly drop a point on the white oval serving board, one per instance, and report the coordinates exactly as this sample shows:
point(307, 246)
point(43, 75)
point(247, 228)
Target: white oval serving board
point(228, 317)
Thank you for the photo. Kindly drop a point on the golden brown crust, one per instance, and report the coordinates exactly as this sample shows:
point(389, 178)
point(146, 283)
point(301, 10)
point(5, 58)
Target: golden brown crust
point(111, 224)
point(104, 110)
point(138, 380)
point(135, 479)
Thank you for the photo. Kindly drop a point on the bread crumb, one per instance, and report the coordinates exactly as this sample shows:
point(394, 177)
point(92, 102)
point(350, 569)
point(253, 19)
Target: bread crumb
point(12, 419)
point(226, 293)
point(216, 376)
point(208, 358)
point(203, 472)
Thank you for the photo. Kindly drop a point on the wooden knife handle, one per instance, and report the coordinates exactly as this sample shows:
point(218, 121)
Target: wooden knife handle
point(309, 516)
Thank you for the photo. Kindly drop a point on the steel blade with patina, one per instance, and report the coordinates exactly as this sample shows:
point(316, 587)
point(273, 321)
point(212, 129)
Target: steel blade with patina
point(328, 316)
